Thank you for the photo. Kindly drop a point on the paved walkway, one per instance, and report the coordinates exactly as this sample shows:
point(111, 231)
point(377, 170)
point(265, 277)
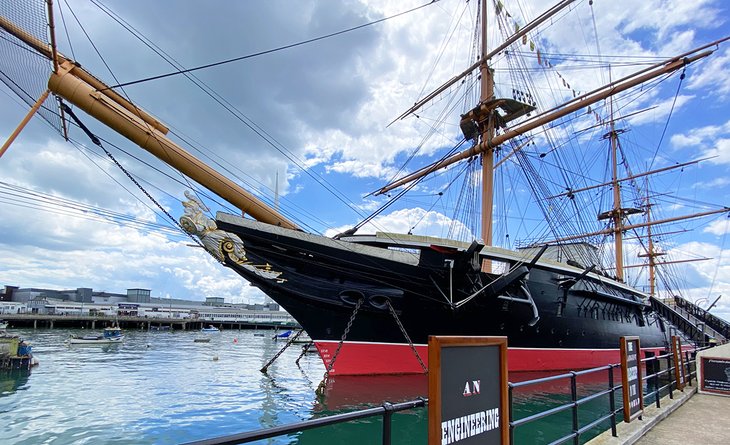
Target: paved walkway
point(703, 419)
point(689, 419)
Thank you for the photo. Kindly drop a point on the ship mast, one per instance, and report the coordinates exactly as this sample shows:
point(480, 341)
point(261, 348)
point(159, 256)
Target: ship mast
point(487, 92)
point(650, 253)
point(617, 210)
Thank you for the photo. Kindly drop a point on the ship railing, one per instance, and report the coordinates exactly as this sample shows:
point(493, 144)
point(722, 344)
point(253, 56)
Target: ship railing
point(717, 324)
point(653, 382)
point(686, 326)
point(386, 411)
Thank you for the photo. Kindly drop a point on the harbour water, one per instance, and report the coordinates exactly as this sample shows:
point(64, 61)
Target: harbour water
point(162, 387)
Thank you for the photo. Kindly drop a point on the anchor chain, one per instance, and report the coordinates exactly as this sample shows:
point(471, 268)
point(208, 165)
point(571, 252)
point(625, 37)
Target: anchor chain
point(291, 340)
point(405, 334)
point(320, 388)
point(305, 349)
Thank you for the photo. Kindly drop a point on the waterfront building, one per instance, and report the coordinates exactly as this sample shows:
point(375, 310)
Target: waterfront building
point(12, 307)
point(135, 303)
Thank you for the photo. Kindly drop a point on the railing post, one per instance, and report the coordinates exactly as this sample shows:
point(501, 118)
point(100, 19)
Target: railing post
point(574, 399)
point(511, 414)
point(387, 422)
point(612, 401)
point(656, 383)
point(689, 368)
point(672, 375)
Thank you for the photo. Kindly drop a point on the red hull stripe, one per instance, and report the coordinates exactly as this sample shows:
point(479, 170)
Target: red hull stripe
point(395, 358)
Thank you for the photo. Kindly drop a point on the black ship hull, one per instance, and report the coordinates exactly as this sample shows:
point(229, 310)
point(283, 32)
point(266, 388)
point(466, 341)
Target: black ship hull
point(385, 302)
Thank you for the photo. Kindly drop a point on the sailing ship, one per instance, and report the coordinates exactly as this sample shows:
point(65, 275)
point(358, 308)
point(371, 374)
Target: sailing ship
point(370, 301)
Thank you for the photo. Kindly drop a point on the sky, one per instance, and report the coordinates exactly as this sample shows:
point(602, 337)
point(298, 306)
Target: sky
point(308, 127)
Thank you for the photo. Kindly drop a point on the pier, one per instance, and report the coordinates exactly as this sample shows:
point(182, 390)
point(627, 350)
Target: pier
point(36, 321)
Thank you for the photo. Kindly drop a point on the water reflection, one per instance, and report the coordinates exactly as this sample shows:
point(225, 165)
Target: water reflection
point(358, 392)
point(351, 393)
point(13, 380)
point(90, 348)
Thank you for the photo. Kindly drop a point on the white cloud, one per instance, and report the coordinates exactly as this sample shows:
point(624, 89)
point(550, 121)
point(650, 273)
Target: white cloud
point(416, 221)
point(711, 141)
point(715, 183)
point(718, 227)
point(712, 75)
point(661, 110)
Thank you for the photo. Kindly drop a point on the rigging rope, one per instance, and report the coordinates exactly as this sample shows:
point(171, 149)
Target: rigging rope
point(281, 48)
point(719, 259)
point(243, 118)
point(97, 142)
point(391, 201)
point(671, 110)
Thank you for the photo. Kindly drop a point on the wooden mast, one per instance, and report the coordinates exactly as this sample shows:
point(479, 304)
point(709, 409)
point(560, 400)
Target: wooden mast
point(617, 210)
point(487, 91)
point(650, 253)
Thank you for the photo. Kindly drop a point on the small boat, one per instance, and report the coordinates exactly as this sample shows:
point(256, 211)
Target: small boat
point(210, 328)
point(3, 324)
point(109, 336)
point(16, 353)
point(301, 338)
point(283, 335)
point(201, 340)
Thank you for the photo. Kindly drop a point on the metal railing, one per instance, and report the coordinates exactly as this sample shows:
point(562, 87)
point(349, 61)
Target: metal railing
point(574, 404)
point(386, 411)
point(651, 381)
point(654, 379)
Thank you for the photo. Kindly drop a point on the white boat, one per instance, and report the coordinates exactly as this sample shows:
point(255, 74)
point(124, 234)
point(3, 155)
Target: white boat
point(109, 336)
point(210, 328)
point(3, 324)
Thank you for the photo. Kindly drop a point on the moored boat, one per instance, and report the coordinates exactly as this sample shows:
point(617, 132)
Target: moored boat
point(110, 335)
point(210, 329)
point(282, 335)
point(15, 353)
